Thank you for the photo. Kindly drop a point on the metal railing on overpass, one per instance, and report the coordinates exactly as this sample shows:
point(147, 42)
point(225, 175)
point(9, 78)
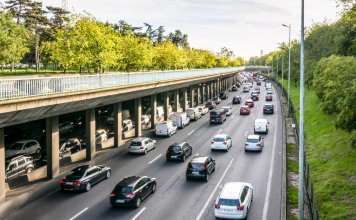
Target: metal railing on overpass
point(41, 86)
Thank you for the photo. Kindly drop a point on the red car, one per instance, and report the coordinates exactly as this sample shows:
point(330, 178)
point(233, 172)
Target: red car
point(268, 97)
point(249, 103)
point(245, 110)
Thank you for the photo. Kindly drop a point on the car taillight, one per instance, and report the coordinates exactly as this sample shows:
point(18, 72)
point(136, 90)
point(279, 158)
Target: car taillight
point(112, 195)
point(258, 145)
point(141, 147)
point(77, 182)
point(63, 181)
point(224, 142)
point(131, 195)
point(212, 142)
point(240, 207)
point(217, 206)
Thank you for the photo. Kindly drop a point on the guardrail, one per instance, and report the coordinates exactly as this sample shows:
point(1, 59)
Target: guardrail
point(41, 86)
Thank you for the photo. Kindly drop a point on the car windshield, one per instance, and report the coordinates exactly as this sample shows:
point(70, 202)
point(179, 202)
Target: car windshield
point(196, 166)
point(78, 172)
point(123, 189)
point(252, 140)
point(219, 139)
point(136, 143)
point(268, 106)
point(16, 146)
point(229, 202)
point(213, 113)
point(175, 148)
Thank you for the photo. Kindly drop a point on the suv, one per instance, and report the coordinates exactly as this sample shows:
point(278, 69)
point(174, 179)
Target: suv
point(19, 165)
point(234, 201)
point(179, 151)
point(142, 145)
point(200, 167)
point(217, 116)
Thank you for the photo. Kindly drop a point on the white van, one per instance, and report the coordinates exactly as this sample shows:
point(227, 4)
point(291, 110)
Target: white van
point(180, 119)
point(261, 126)
point(159, 112)
point(193, 113)
point(268, 86)
point(165, 128)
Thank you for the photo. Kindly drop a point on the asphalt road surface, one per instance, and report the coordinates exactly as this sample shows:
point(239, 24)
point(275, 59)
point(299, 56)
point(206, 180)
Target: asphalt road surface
point(175, 198)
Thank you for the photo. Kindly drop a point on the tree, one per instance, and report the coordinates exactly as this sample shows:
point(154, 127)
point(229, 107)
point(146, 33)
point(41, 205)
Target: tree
point(179, 39)
point(17, 8)
point(168, 56)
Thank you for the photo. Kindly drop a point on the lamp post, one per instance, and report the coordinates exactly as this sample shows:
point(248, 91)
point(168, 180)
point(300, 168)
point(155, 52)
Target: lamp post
point(289, 27)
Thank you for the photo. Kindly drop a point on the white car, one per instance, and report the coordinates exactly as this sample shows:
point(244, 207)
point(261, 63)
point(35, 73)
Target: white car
point(254, 143)
point(145, 119)
point(100, 136)
point(166, 128)
point(203, 109)
point(234, 201)
point(227, 110)
point(221, 142)
point(269, 91)
point(142, 145)
point(23, 147)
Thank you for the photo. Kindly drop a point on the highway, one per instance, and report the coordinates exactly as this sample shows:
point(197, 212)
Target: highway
point(176, 198)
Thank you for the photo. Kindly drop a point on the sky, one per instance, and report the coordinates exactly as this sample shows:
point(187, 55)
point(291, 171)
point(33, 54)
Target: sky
point(244, 26)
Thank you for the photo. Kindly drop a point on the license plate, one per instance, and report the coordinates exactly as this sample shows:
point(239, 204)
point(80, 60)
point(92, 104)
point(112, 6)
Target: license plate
point(120, 201)
point(195, 173)
point(69, 183)
point(174, 156)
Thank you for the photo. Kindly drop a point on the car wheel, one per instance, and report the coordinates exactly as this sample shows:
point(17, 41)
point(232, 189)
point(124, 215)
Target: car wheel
point(206, 177)
point(154, 188)
point(38, 151)
point(138, 203)
point(29, 170)
point(108, 174)
point(87, 187)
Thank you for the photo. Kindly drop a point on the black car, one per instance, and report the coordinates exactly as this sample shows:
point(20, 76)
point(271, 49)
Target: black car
point(179, 151)
point(82, 178)
point(237, 85)
point(268, 109)
point(258, 83)
point(217, 116)
point(223, 95)
point(234, 88)
point(200, 168)
point(210, 104)
point(236, 100)
point(217, 100)
point(254, 97)
point(130, 191)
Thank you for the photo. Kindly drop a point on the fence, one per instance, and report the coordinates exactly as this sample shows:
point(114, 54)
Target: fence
point(41, 86)
point(312, 210)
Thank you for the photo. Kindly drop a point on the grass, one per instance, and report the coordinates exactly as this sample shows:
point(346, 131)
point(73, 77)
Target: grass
point(331, 158)
point(292, 191)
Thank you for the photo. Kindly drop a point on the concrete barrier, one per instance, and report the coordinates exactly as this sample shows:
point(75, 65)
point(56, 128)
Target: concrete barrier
point(78, 156)
point(108, 143)
point(37, 174)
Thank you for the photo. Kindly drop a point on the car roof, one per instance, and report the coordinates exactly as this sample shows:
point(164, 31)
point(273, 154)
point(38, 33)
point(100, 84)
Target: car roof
point(261, 120)
point(140, 139)
point(177, 143)
point(220, 135)
point(129, 181)
point(126, 120)
point(199, 159)
point(249, 100)
point(253, 136)
point(24, 141)
point(232, 190)
point(226, 107)
point(82, 167)
point(269, 104)
point(244, 106)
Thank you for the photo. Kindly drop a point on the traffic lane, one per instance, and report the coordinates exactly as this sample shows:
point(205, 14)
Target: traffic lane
point(51, 203)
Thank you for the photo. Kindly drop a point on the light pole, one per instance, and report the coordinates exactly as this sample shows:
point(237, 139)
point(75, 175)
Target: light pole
point(277, 68)
point(282, 69)
point(289, 27)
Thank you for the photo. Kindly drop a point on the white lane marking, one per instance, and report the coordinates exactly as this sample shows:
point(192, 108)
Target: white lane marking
point(212, 194)
point(270, 174)
point(197, 154)
point(191, 132)
point(139, 213)
point(232, 116)
point(81, 212)
point(155, 159)
point(219, 131)
point(246, 133)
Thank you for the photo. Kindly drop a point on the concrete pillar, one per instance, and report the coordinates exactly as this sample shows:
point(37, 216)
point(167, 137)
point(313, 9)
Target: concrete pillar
point(2, 165)
point(90, 133)
point(176, 100)
point(198, 96)
point(52, 142)
point(153, 110)
point(202, 95)
point(138, 111)
point(117, 124)
point(165, 105)
point(215, 88)
point(208, 95)
point(192, 96)
point(185, 99)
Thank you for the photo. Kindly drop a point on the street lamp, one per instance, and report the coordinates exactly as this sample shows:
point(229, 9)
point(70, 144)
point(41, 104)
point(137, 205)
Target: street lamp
point(289, 27)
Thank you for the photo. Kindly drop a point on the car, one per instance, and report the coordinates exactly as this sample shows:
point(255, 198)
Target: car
point(65, 127)
point(142, 145)
point(127, 125)
point(223, 95)
point(200, 167)
point(238, 84)
point(203, 109)
point(24, 147)
point(227, 110)
point(193, 113)
point(83, 177)
point(234, 88)
point(145, 120)
point(236, 100)
point(221, 142)
point(101, 135)
point(258, 83)
point(234, 201)
point(217, 100)
point(217, 116)
point(268, 85)
point(18, 166)
point(249, 103)
point(210, 105)
point(250, 84)
point(268, 109)
point(255, 92)
point(268, 97)
point(254, 143)
point(261, 126)
point(245, 110)
point(131, 190)
point(246, 89)
point(269, 91)
point(180, 119)
point(72, 145)
point(258, 89)
point(254, 97)
point(261, 78)
point(166, 128)
point(179, 151)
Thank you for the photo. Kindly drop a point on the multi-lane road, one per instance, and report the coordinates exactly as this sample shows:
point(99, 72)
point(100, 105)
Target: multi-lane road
point(176, 198)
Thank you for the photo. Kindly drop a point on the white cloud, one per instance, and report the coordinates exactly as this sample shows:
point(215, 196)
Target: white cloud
point(245, 26)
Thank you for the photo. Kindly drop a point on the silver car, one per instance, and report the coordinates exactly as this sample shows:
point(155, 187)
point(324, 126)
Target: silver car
point(254, 143)
point(142, 145)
